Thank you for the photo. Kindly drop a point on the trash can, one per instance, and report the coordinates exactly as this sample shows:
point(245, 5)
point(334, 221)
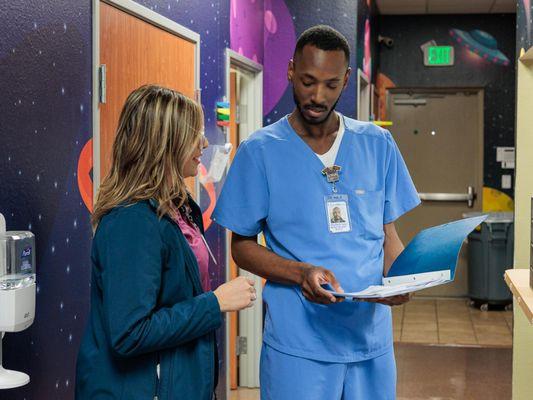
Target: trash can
point(490, 253)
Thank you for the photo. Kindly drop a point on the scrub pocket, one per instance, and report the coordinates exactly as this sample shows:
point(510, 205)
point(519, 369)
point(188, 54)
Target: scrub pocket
point(368, 207)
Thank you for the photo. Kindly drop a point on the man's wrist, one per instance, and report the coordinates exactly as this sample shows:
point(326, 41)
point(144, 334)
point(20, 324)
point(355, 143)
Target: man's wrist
point(303, 269)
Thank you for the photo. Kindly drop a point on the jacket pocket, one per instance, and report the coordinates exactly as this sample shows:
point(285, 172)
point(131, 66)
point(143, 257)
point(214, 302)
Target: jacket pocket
point(368, 207)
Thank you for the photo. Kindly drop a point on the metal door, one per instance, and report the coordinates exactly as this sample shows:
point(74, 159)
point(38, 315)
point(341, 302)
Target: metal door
point(440, 135)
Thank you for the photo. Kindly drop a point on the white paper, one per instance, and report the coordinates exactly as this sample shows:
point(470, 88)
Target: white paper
point(400, 285)
point(219, 161)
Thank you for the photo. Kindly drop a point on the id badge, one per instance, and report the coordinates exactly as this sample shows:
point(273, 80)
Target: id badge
point(338, 213)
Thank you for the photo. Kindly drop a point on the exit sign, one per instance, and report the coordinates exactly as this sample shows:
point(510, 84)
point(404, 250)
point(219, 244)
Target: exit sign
point(438, 56)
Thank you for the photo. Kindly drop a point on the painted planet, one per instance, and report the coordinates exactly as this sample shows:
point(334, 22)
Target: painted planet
point(271, 24)
point(279, 43)
point(481, 43)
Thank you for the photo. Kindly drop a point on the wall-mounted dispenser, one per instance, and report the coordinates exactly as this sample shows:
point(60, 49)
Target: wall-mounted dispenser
point(17, 292)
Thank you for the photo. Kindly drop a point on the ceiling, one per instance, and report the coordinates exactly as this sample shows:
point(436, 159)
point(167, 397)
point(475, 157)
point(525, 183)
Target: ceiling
point(396, 7)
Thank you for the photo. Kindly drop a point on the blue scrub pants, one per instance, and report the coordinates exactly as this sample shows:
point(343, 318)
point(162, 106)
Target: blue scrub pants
point(286, 377)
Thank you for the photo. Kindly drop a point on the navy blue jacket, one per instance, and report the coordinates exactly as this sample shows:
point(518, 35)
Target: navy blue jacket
point(147, 307)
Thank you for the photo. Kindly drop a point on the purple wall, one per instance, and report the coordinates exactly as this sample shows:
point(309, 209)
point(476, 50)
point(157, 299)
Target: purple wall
point(342, 15)
point(283, 22)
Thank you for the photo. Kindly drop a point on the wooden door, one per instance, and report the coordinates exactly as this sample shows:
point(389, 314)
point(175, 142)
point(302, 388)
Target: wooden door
point(135, 53)
point(439, 134)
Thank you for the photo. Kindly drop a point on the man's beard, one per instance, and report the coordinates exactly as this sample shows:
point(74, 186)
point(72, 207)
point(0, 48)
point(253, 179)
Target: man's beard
point(313, 122)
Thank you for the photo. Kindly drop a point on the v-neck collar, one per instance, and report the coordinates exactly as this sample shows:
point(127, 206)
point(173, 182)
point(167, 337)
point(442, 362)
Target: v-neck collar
point(339, 159)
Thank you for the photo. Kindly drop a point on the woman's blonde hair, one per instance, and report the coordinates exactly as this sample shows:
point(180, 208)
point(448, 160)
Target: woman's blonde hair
point(158, 131)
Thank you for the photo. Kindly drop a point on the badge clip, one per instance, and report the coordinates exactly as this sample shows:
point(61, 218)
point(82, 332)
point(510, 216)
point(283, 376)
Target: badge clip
point(332, 175)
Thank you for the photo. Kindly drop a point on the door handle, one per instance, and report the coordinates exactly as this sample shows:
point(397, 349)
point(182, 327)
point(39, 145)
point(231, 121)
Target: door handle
point(469, 197)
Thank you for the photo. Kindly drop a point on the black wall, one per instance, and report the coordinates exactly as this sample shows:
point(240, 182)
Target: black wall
point(403, 64)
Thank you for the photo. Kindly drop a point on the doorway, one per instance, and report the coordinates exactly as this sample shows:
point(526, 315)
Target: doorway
point(244, 89)
point(133, 46)
point(440, 135)
point(363, 96)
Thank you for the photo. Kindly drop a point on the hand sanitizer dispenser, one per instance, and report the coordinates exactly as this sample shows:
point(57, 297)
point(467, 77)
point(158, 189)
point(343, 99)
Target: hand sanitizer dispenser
point(17, 292)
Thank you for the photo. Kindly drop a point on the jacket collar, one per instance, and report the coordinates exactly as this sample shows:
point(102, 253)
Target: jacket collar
point(154, 203)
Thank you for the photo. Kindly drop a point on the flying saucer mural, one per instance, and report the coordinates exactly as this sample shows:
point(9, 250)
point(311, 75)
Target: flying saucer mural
point(480, 43)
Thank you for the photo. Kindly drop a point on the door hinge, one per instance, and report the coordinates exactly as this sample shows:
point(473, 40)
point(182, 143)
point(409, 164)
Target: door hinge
point(240, 113)
point(237, 114)
point(242, 345)
point(102, 83)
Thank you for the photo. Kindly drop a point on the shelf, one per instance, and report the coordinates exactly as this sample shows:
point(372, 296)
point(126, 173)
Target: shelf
point(518, 282)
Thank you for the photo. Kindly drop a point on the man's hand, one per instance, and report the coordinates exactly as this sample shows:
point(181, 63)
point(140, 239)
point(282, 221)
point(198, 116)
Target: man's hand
point(313, 278)
point(263, 262)
point(392, 300)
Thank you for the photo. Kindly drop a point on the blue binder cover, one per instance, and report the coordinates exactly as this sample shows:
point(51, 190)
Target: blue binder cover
point(435, 249)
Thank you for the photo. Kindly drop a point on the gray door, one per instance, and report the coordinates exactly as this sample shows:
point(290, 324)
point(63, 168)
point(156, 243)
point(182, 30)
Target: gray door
point(440, 135)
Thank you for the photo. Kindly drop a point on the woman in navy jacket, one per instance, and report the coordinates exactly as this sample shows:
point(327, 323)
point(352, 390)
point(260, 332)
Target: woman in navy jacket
point(151, 328)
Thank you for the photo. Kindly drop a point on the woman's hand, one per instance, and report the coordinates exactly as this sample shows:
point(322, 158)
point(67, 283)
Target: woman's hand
point(236, 294)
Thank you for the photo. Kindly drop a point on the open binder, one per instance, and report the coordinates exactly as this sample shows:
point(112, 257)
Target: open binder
point(429, 260)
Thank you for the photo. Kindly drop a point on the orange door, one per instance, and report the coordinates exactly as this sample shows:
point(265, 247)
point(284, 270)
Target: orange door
point(135, 53)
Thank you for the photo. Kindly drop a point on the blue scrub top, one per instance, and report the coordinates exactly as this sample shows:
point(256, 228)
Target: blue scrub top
point(275, 185)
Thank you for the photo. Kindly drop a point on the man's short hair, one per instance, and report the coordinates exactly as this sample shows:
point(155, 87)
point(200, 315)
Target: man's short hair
point(325, 38)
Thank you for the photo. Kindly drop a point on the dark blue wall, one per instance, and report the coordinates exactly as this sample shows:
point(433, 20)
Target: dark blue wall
point(45, 119)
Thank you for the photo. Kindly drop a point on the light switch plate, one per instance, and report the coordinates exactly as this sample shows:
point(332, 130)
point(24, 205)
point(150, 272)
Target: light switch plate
point(506, 182)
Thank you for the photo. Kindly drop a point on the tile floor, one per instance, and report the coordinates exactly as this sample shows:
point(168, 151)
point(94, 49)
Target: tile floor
point(446, 350)
point(433, 321)
point(443, 373)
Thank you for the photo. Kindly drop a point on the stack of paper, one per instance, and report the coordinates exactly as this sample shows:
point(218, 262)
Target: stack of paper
point(429, 260)
point(417, 282)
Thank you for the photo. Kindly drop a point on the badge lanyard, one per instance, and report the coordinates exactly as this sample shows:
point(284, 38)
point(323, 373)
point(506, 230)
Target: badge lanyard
point(337, 206)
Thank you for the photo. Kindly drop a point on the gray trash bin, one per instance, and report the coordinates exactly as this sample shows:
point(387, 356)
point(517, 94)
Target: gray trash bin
point(490, 253)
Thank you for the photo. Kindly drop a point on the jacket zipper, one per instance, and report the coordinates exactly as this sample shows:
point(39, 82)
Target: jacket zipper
point(157, 377)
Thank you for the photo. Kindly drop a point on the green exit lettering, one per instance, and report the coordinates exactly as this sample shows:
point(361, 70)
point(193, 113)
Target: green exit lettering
point(439, 55)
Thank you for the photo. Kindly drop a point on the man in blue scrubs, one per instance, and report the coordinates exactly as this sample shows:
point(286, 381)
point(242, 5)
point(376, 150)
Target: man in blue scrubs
point(325, 190)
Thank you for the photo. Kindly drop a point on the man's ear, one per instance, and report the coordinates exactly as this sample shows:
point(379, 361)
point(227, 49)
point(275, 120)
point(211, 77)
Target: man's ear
point(290, 70)
point(347, 77)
